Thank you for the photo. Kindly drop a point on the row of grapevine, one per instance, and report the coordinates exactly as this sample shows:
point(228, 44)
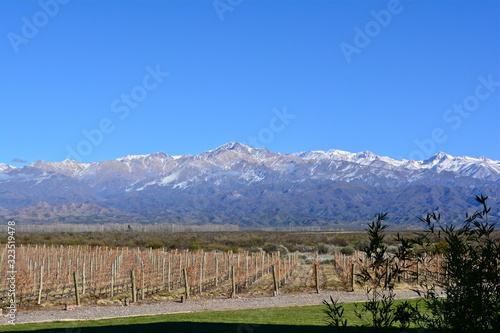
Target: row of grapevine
point(48, 273)
point(425, 267)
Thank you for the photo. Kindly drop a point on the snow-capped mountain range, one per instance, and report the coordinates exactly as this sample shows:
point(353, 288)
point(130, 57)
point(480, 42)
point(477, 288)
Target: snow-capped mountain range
point(235, 183)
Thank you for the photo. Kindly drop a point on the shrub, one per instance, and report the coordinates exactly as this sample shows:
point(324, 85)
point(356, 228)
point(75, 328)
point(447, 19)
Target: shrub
point(194, 247)
point(360, 244)
point(322, 248)
point(335, 313)
point(347, 250)
point(340, 241)
point(441, 247)
point(379, 310)
point(275, 248)
point(471, 282)
point(255, 250)
point(392, 249)
point(303, 248)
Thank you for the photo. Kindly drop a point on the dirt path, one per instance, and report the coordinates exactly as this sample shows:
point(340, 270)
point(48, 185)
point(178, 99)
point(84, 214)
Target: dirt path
point(92, 312)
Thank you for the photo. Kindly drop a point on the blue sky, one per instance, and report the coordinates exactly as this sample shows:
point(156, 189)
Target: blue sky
point(96, 80)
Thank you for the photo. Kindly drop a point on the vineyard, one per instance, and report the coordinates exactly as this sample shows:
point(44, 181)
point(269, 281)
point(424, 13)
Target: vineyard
point(87, 274)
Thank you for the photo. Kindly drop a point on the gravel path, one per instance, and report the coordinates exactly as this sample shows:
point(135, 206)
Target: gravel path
point(92, 312)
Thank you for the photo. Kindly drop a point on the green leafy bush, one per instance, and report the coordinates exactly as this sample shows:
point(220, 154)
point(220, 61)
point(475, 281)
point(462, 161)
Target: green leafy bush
point(470, 282)
point(347, 250)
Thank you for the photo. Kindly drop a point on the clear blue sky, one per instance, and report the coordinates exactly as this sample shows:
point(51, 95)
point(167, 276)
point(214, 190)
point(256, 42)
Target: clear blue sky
point(286, 75)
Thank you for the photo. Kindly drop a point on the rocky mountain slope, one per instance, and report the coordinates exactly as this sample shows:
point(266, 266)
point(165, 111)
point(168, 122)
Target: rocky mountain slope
point(251, 187)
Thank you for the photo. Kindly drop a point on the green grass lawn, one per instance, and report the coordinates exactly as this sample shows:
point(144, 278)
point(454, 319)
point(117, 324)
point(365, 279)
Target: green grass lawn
point(289, 319)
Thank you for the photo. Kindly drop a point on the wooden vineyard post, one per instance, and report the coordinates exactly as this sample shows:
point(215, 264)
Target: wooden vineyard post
point(233, 282)
point(58, 268)
point(290, 266)
point(134, 289)
point(200, 287)
point(316, 277)
point(77, 296)
point(91, 267)
point(387, 273)
point(142, 280)
point(216, 271)
point(83, 279)
point(225, 261)
point(405, 271)
point(69, 271)
point(277, 262)
point(186, 282)
point(204, 270)
point(227, 266)
point(263, 263)
point(246, 270)
point(352, 277)
point(41, 286)
point(275, 281)
point(163, 271)
point(168, 277)
point(256, 266)
point(112, 287)
point(399, 271)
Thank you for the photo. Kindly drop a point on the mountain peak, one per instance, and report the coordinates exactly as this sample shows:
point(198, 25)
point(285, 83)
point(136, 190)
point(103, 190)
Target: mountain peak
point(67, 167)
point(442, 156)
point(233, 145)
point(5, 167)
point(366, 154)
point(437, 159)
point(160, 155)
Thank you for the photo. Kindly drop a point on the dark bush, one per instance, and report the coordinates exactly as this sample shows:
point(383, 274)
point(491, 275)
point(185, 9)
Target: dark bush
point(347, 250)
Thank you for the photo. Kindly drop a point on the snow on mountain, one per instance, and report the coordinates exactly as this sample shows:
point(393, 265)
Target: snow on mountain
point(235, 152)
point(5, 167)
point(482, 168)
point(250, 165)
point(67, 167)
point(236, 182)
point(363, 158)
point(156, 163)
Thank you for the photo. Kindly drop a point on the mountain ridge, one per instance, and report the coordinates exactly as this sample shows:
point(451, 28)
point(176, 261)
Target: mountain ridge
point(248, 186)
